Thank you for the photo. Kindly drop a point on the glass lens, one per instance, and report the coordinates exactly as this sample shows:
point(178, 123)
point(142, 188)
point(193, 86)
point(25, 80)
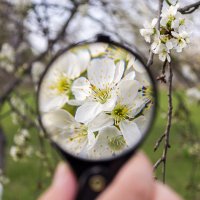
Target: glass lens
point(96, 101)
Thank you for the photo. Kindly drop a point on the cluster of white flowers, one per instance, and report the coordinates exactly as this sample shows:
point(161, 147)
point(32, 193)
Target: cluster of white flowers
point(7, 56)
point(21, 148)
point(173, 34)
point(93, 104)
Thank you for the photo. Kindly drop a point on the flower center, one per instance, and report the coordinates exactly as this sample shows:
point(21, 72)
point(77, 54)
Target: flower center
point(101, 95)
point(147, 92)
point(79, 133)
point(119, 113)
point(117, 143)
point(62, 85)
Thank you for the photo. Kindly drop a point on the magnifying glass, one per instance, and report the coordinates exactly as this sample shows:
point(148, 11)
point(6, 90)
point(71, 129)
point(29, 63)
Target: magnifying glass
point(96, 103)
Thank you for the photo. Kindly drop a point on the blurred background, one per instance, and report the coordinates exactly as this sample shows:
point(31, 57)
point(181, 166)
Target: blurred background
point(32, 32)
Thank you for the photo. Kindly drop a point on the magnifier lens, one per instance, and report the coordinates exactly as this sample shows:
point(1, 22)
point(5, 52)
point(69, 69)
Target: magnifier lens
point(96, 101)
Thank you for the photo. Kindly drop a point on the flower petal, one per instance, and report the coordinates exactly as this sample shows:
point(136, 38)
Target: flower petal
point(84, 59)
point(119, 71)
point(129, 76)
point(101, 121)
point(131, 132)
point(88, 111)
point(128, 90)
point(91, 140)
point(101, 149)
point(101, 72)
point(81, 88)
point(52, 103)
point(59, 118)
point(69, 64)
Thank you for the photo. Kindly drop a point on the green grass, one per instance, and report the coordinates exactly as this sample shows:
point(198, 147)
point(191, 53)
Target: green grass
point(24, 176)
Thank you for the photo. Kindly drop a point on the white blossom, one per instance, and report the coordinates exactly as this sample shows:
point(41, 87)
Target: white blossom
point(193, 94)
point(180, 40)
point(7, 56)
point(168, 15)
point(149, 30)
point(15, 153)
point(188, 73)
point(36, 71)
point(173, 34)
point(110, 143)
point(99, 91)
point(56, 89)
point(21, 138)
point(164, 53)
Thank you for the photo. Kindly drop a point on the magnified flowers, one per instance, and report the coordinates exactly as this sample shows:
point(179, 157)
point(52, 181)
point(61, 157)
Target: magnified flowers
point(94, 103)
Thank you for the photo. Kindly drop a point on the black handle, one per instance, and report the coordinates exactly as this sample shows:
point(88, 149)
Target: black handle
point(92, 183)
point(94, 176)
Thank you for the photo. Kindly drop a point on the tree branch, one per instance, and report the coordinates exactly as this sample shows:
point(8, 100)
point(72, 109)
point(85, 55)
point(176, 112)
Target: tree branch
point(16, 81)
point(166, 135)
point(189, 8)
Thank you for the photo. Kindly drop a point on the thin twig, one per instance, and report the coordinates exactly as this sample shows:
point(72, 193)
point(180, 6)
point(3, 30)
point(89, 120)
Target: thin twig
point(166, 136)
point(162, 76)
point(150, 59)
point(189, 8)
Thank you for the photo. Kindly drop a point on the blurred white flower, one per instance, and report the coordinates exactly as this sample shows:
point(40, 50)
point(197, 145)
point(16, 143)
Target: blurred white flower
point(56, 88)
point(36, 71)
point(149, 30)
point(14, 118)
point(7, 56)
point(193, 94)
point(188, 73)
point(15, 153)
point(99, 91)
point(21, 138)
point(18, 104)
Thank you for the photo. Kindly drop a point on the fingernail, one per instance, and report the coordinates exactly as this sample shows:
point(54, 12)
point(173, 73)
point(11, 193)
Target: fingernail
point(60, 174)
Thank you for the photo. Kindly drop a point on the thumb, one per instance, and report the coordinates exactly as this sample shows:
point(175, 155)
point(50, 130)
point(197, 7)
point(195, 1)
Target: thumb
point(63, 186)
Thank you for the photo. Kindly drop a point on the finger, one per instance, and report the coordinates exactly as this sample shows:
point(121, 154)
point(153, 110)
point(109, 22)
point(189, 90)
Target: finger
point(63, 186)
point(133, 182)
point(163, 192)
